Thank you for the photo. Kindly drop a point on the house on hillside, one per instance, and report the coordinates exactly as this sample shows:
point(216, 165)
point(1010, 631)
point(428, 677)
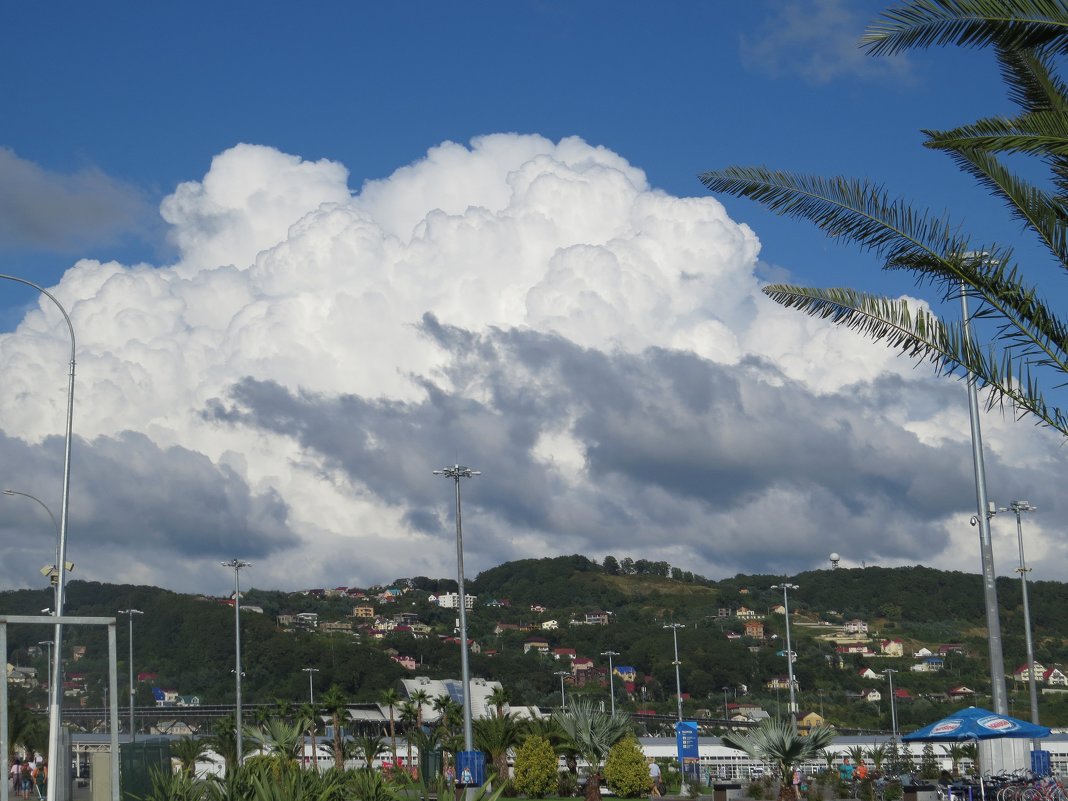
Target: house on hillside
point(1022, 674)
point(754, 629)
point(599, 618)
point(780, 683)
point(745, 613)
point(1055, 678)
point(538, 644)
point(868, 673)
point(855, 627)
point(891, 648)
point(872, 696)
point(625, 672)
point(564, 653)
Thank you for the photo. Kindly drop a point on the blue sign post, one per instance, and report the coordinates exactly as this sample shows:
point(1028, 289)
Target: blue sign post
point(686, 742)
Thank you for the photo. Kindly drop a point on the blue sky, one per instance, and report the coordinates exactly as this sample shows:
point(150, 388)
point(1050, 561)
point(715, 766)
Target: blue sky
point(109, 109)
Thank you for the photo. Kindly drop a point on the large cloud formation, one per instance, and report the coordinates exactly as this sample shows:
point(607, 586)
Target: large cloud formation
point(598, 348)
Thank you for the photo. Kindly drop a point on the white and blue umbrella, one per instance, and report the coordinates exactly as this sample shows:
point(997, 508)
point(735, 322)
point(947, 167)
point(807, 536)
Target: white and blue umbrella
point(975, 723)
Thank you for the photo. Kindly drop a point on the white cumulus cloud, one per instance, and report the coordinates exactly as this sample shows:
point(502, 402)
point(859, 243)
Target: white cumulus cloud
point(601, 347)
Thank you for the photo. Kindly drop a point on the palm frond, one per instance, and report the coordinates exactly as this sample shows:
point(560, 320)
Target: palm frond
point(859, 211)
point(1031, 82)
point(969, 23)
point(919, 334)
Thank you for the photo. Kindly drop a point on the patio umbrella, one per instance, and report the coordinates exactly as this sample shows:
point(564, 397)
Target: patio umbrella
point(975, 723)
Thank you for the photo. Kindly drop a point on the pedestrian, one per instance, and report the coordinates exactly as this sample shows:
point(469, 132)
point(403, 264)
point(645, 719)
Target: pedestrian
point(654, 774)
point(797, 782)
point(27, 780)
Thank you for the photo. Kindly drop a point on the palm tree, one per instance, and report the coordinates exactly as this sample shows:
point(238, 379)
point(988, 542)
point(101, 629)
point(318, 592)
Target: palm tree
point(224, 742)
point(409, 714)
point(389, 698)
point(776, 740)
point(280, 738)
point(878, 754)
point(499, 698)
point(188, 751)
point(368, 747)
point(311, 723)
point(496, 735)
point(420, 698)
point(1029, 348)
point(592, 733)
point(335, 704)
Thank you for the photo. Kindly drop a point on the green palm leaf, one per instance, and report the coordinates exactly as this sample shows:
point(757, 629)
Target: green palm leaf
point(970, 23)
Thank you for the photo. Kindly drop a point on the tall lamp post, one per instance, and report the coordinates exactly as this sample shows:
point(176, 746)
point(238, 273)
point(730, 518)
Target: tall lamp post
point(1019, 507)
point(54, 572)
point(611, 679)
point(456, 472)
point(678, 681)
point(236, 565)
point(789, 649)
point(982, 519)
point(130, 613)
point(563, 698)
point(893, 708)
point(311, 687)
point(56, 682)
point(726, 711)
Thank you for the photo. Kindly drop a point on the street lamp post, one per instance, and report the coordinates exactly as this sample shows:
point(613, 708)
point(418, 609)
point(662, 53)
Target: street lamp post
point(236, 565)
point(726, 711)
point(1019, 507)
point(311, 687)
point(53, 574)
point(563, 699)
point(456, 472)
point(982, 519)
point(611, 679)
point(678, 681)
point(789, 649)
point(56, 684)
point(130, 613)
point(893, 704)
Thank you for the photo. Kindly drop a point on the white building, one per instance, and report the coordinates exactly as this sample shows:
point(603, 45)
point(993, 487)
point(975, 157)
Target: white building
point(451, 600)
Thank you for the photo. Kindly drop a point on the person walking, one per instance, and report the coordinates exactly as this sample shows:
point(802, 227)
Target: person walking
point(654, 774)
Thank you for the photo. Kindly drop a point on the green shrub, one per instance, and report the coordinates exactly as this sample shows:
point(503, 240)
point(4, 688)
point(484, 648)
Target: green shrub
point(535, 768)
point(625, 770)
point(567, 784)
point(755, 791)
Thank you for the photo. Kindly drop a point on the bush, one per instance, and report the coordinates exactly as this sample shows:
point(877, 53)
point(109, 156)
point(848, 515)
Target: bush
point(535, 768)
point(625, 771)
point(567, 784)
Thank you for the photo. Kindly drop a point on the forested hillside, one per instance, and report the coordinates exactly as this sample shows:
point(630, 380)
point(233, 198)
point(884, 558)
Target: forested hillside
point(188, 641)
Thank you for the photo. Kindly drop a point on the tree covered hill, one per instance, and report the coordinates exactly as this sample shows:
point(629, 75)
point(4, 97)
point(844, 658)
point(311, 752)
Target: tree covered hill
point(188, 641)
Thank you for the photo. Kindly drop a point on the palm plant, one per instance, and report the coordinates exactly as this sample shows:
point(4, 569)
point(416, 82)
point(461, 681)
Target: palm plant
point(188, 751)
point(223, 742)
point(878, 755)
point(389, 698)
point(335, 704)
point(420, 698)
point(499, 698)
point(311, 722)
point(409, 714)
point(1030, 343)
point(368, 747)
point(777, 741)
point(279, 738)
point(592, 733)
point(496, 736)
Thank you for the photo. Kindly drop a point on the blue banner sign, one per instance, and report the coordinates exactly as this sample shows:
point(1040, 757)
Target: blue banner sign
point(686, 739)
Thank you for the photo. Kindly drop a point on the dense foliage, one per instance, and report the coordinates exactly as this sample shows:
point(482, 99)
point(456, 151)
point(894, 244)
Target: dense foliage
point(625, 769)
point(535, 767)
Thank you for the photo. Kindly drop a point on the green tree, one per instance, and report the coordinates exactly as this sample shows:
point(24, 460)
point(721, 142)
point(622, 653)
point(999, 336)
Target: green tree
point(499, 697)
point(625, 770)
point(335, 704)
point(776, 740)
point(1028, 346)
point(495, 735)
point(592, 733)
point(368, 747)
point(535, 768)
point(188, 751)
point(389, 698)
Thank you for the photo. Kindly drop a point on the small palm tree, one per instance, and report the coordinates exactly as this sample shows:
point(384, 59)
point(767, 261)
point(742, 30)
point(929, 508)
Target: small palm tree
point(592, 733)
point(777, 741)
point(858, 754)
point(420, 698)
point(368, 747)
point(409, 714)
point(389, 698)
point(496, 736)
point(878, 755)
point(310, 721)
point(499, 698)
point(188, 751)
point(335, 704)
